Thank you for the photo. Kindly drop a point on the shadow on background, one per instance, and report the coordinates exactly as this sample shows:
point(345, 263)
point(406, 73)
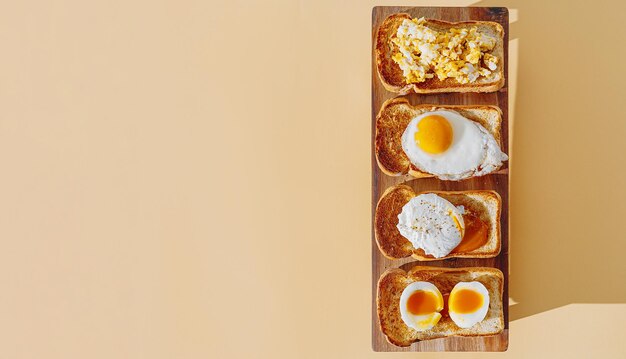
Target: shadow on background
point(568, 197)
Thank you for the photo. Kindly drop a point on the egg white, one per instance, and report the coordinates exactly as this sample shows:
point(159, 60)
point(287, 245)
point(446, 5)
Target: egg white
point(473, 152)
point(420, 322)
point(468, 320)
point(428, 222)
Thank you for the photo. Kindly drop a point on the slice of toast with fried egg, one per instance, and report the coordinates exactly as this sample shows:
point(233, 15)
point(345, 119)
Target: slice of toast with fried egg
point(395, 116)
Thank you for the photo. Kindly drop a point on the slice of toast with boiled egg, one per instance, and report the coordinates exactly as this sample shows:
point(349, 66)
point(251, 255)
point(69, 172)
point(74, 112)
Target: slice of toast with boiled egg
point(431, 302)
point(450, 142)
point(479, 225)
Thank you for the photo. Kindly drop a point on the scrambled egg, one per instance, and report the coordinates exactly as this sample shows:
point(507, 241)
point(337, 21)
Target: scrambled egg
point(461, 54)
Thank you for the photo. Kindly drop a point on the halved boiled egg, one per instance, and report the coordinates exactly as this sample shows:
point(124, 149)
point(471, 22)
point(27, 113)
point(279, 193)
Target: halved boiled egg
point(420, 304)
point(468, 303)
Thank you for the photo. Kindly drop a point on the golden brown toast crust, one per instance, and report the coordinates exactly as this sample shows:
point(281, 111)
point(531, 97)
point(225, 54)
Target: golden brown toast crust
point(393, 118)
point(487, 205)
point(391, 75)
point(393, 281)
point(389, 240)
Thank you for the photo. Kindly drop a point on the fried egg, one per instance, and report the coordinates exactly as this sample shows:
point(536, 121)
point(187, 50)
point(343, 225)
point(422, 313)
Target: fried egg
point(450, 146)
point(420, 304)
point(432, 223)
point(468, 303)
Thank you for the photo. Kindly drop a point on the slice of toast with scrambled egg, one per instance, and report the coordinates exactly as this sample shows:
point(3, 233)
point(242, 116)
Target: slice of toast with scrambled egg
point(445, 56)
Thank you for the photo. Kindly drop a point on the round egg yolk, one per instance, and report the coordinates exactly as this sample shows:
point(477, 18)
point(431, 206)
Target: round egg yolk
point(434, 134)
point(422, 302)
point(475, 235)
point(465, 301)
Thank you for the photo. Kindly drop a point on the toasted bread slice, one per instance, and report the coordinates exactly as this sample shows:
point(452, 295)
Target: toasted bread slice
point(393, 281)
point(391, 74)
point(486, 205)
point(395, 115)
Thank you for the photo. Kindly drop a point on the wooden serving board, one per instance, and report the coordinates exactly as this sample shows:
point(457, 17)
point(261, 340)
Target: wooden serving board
point(498, 181)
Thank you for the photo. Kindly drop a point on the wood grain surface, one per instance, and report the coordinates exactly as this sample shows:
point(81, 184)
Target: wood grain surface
point(498, 181)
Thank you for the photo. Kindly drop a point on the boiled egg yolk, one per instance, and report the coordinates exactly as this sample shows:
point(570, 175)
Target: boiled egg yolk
point(465, 301)
point(423, 302)
point(434, 134)
point(475, 235)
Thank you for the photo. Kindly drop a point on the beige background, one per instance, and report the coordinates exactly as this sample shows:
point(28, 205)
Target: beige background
point(186, 179)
